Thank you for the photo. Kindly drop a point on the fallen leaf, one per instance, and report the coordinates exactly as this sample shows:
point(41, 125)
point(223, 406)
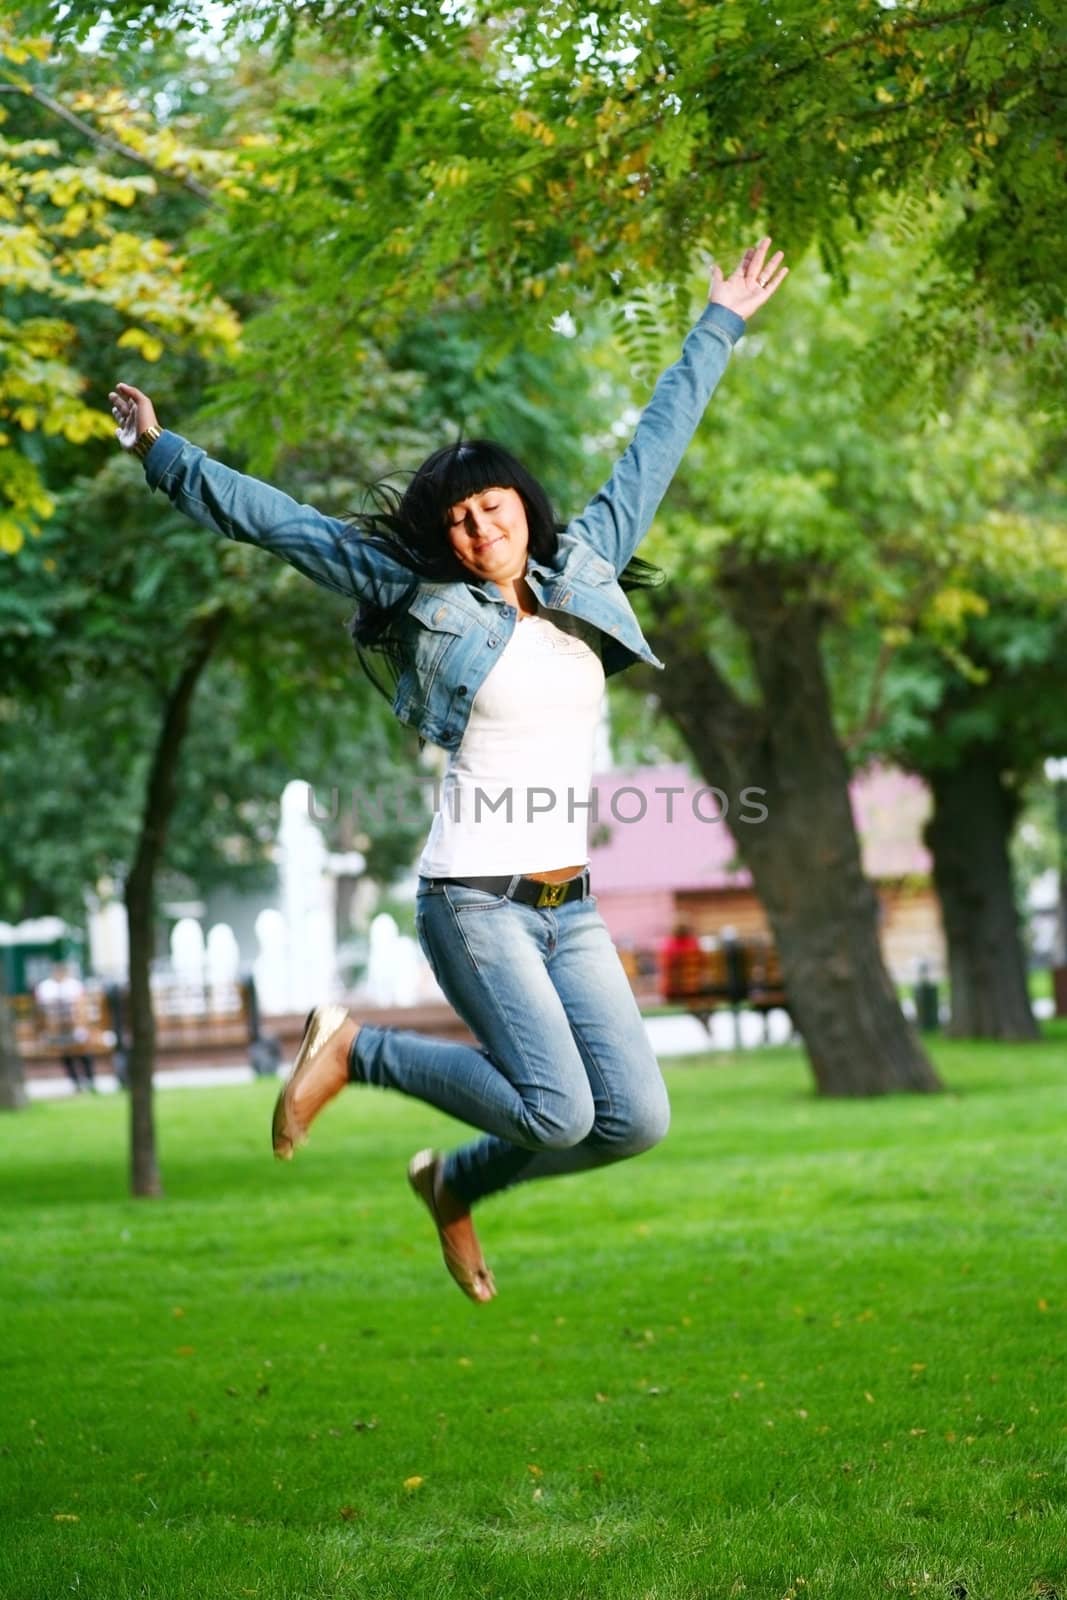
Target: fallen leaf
point(535, 1471)
point(187, 1350)
point(178, 1312)
point(66, 1516)
point(413, 1483)
point(348, 1513)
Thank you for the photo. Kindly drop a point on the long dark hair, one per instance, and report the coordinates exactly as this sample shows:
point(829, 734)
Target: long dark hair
point(411, 527)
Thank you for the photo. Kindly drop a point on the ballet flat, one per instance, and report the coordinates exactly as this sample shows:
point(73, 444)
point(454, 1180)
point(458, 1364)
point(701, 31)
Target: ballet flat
point(422, 1176)
point(287, 1131)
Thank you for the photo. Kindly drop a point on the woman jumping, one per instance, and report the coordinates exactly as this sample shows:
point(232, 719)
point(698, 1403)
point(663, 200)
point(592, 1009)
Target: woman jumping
point(503, 627)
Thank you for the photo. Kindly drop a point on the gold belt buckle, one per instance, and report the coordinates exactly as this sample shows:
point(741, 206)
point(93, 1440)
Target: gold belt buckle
point(554, 894)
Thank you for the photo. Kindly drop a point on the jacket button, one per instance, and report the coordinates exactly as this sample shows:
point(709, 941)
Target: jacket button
point(462, 689)
point(491, 643)
point(439, 613)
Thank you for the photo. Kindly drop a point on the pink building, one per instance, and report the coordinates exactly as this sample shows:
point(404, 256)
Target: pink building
point(661, 853)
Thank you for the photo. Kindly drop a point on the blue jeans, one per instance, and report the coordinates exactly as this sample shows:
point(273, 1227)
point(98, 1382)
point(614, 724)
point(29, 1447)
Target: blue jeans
point(566, 1078)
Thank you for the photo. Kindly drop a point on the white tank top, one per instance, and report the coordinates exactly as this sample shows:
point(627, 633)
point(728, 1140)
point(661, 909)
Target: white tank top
point(515, 797)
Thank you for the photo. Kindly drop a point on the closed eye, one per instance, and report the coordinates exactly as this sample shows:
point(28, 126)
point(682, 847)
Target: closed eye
point(459, 521)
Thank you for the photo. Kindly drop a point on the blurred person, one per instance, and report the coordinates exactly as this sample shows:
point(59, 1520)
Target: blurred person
point(674, 969)
point(59, 999)
point(500, 626)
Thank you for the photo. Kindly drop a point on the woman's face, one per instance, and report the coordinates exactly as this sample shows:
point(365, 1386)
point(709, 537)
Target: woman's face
point(489, 533)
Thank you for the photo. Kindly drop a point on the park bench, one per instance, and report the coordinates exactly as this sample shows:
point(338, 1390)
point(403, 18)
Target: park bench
point(35, 1038)
point(191, 1019)
point(733, 975)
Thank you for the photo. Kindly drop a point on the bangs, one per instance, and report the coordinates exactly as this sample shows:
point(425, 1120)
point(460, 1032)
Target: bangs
point(455, 473)
point(415, 522)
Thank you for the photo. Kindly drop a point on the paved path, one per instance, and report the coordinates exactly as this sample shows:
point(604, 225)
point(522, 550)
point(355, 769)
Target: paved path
point(669, 1036)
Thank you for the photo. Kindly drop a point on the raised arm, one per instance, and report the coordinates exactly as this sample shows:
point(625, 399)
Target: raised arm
point(326, 549)
point(620, 513)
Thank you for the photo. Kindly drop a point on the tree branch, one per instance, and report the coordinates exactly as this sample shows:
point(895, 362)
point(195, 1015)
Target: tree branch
point(872, 717)
point(892, 26)
point(698, 692)
point(104, 141)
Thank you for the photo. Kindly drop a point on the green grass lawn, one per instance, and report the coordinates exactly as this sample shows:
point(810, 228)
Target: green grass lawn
point(802, 1349)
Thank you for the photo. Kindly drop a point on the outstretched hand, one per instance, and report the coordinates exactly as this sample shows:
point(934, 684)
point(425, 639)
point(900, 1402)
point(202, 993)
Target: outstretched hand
point(751, 283)
point(133, 411)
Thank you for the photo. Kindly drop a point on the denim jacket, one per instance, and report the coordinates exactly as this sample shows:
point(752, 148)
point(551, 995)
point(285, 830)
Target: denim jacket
point(452, 632)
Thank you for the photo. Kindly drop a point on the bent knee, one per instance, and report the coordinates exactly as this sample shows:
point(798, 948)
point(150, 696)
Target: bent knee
point(652, 1129)
point(568, 1127)
point(645, 1126)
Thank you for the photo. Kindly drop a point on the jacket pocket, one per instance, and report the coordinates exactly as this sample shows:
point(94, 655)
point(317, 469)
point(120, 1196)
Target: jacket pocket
point(597, 571)
point(438, 614)
point(433, 629)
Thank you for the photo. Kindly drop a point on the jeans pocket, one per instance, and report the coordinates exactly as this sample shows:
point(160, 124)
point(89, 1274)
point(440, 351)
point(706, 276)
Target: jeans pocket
point(462, 898)
point(426, 944)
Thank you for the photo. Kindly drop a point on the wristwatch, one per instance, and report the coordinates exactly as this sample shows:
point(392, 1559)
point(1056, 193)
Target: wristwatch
point(146, 440)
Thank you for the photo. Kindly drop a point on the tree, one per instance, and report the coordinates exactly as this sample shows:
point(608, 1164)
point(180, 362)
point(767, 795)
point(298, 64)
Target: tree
point(72, 254)
point(538, 159)
point(132, 619)
point(113, 631)
point(976, 729)
point(801, 515)
point(12, 1085)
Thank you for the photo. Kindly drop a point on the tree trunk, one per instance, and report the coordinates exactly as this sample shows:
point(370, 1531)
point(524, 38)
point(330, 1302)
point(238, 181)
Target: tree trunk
point(968, 837)
point(804, 857)
point(160, 796)
point(12, 1082)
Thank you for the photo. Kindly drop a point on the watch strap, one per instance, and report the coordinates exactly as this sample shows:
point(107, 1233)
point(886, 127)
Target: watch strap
point(146, 439)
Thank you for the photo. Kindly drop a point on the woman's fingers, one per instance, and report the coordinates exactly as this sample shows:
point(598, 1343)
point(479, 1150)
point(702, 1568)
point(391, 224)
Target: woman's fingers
point(754, 269)
point(132, 410)
point(771, 284)
point(763, 276)
point(753, 280)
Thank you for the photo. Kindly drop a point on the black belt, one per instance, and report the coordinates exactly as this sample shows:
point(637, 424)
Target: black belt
point(528, 891)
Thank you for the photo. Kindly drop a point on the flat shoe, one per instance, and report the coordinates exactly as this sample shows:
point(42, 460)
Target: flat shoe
point(286, 1130)
point(422, 1176)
